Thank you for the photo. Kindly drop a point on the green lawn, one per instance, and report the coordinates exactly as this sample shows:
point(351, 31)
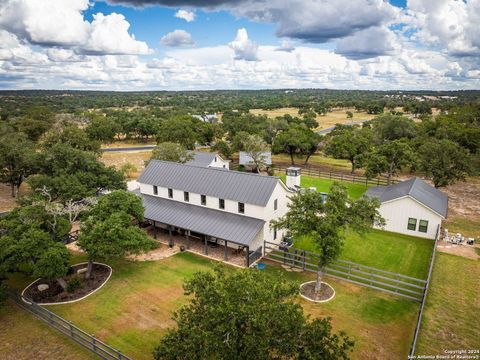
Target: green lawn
point(451, 316)
point(323, 185)
point(384, 250)
point(133, 310)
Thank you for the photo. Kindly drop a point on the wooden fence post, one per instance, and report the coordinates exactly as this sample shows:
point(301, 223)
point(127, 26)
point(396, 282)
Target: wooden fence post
point(94, 345)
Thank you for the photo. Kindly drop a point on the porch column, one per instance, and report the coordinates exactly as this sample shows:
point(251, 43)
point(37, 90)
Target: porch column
point(188, 239)
point(154, 229)
point(205, 250)
point(225, 255)
point(170, 237)
point(247, 256)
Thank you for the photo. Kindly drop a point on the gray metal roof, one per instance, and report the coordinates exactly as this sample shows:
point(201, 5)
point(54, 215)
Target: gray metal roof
point(202, 158)
point(245, 159)
point(417, 189)
point(216, 182)
point(220, 224)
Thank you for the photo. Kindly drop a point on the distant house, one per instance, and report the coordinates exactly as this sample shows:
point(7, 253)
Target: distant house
point(246, 160)
point(411, 207)
point(210, 204)
point(208, 159)
point(209, 118)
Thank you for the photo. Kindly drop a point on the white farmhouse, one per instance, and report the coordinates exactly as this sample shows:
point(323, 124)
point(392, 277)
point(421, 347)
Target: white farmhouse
point(212, 204)
point(208, 159)
point(411, 207)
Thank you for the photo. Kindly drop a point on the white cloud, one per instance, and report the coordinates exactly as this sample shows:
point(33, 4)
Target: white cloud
point(244, 48)
point(186, 15)
point(109, 35)
point(286, 45)
point(61, 23)
point(450, 24)
point(177, 38)
point(368, 43)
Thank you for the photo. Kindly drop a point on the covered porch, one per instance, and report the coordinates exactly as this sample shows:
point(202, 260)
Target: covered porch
point(217, 234)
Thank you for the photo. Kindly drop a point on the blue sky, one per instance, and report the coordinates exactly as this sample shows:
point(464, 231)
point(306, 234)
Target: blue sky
point(143, 45)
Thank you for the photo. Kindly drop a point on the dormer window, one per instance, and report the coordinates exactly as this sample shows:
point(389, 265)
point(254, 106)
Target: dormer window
point(221, 204)
point(170, 193)
point(186, 196)
point(155, 190)
point(203, 199)
point(241, 208)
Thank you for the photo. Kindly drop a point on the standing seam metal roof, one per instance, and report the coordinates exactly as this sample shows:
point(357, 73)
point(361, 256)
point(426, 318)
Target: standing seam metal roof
point(201, 158)
point(220, 224)
point(216, 182)
point(417, 189)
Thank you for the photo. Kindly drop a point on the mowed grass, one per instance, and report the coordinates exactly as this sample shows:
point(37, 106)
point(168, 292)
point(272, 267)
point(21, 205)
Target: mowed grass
point(381, 325)
point(451, 316)
point(134, 309)
point(403, 254)
point(355, 191)
point(23, 337)
point(337, 116)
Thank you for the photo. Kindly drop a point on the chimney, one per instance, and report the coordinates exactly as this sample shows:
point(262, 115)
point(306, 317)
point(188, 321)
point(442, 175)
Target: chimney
point(293, 177)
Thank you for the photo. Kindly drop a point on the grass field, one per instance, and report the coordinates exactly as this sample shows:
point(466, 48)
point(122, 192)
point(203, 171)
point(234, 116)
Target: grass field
point(118, 158)
point(463, 225)
point(133, 310)
point(337, 116)
point(384, 250)
point(323, 185)
point(23, 337)
point(450, 319)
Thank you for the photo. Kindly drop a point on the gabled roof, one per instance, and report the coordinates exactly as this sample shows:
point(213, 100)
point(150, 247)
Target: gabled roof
point(220, 224)
point(245, 159)
point(216, 182)
point(201, 158)
point(416, 188)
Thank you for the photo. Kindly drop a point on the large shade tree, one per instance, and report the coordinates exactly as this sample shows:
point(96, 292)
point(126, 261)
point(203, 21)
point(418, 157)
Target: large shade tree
point(111, 230)
point(444, 161)
point(326, 221)
point(247, 315)
point(17, 159)
point(171, 151)
point(350, 143)
point(28, 244)
point(73, 174)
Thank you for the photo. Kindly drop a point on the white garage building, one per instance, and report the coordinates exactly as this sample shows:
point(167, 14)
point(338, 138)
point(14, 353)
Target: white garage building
point(411, 207)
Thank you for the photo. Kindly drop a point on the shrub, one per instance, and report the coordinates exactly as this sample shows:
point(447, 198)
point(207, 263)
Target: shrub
point(73, 284)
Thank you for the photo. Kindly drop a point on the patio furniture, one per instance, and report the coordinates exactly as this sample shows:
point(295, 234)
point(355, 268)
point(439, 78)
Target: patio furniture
point(471, 241)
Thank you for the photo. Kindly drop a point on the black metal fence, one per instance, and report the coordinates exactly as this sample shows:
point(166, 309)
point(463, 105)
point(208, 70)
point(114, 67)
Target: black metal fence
point(356, 179)
point(424, 298)
point(88, 341)
point(254, 256)
point(386, 281)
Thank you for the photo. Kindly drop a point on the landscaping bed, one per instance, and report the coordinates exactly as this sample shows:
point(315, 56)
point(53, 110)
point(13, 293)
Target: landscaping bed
point(77, 286)
point(326, 293)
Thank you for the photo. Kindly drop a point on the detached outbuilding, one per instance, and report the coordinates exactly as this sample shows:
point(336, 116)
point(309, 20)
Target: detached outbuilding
point(411, 207)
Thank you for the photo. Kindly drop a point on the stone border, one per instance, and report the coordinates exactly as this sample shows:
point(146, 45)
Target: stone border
point(71, 301)
point(316, 301)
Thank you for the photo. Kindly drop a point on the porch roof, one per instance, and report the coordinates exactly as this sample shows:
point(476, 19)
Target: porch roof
point(220, 224)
